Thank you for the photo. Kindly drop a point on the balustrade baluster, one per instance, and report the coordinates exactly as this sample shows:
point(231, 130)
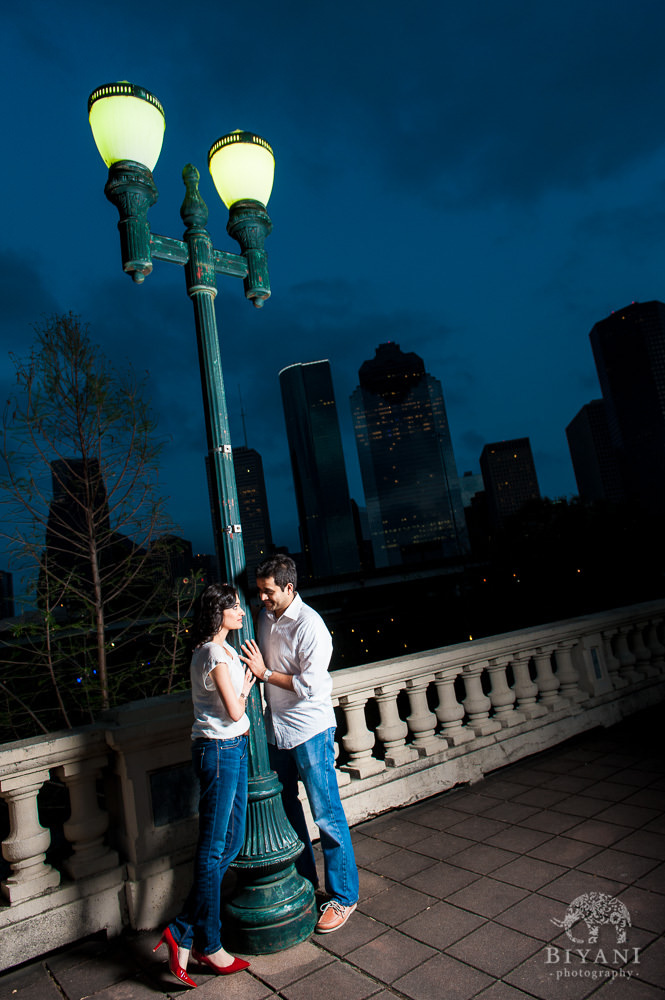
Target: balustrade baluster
point(547, 681)
point(626, 658)
point(655, 645)
point(526, 690)
point(476, 704)
point(25, 847)
point(642, 652)
point(449, 712)
point(502, 696)
point(567, 673)
point(612, 662)
point(87, 824)
point(421, 721)
point(392, 731)
point(359, 741)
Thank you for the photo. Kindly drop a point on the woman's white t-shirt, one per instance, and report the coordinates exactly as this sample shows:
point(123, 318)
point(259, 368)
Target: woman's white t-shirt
point(211, 720)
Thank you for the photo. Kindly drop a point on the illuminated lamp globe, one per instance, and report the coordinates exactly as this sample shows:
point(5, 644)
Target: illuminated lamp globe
point(243, 167)
point(127, 123)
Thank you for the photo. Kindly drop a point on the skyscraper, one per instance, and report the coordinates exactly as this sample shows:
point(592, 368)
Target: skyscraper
point(629, 351)
point(253, 504)
point(593, 456)
point(406, 458)
point(319, 474)
point(509, 475)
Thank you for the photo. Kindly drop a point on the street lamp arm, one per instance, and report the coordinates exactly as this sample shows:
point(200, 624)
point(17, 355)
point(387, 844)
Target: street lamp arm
point(165, 248)
point(230, 264)
point(177, 252)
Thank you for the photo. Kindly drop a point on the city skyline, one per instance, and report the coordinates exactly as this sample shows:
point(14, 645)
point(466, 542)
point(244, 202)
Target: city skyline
point(484, 148)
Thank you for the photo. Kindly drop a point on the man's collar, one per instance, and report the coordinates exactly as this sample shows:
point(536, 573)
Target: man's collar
point(291, 612)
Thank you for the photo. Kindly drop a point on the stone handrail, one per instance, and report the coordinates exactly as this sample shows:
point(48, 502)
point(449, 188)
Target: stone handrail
point(410, 726)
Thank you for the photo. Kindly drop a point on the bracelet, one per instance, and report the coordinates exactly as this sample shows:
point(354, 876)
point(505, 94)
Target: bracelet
point(243, 696)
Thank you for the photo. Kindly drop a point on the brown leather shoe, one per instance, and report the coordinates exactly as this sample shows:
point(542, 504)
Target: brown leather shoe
point(333, 916)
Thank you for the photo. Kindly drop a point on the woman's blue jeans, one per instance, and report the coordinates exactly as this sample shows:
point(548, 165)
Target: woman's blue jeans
point(314, 762)
point(221, 767)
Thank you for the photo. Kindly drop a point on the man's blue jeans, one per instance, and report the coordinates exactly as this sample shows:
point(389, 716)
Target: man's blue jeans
point(221, 767)
point(314, 762)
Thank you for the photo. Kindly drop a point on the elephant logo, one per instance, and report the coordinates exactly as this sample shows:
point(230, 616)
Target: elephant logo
point(595, 909)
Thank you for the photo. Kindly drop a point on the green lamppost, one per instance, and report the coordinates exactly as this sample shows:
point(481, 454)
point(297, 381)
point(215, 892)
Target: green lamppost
point(274, 907)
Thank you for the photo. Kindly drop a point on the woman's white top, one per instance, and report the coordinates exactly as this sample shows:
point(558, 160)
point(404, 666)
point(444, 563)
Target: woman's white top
point(211, 720)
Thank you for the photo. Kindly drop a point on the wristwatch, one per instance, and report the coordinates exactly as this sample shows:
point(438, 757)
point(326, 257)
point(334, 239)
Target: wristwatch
point(267, 674)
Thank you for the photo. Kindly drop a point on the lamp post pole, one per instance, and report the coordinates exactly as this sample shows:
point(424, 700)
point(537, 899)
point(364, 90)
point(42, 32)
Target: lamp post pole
point(273, 907)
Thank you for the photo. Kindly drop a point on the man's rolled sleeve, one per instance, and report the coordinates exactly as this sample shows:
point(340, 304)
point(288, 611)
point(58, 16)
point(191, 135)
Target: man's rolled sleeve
point(314, 647)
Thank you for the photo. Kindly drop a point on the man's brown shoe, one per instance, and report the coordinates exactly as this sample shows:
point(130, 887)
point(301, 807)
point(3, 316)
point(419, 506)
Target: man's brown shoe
point(333, 916)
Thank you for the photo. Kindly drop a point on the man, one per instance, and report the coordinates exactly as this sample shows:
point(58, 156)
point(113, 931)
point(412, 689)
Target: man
point(292, 658)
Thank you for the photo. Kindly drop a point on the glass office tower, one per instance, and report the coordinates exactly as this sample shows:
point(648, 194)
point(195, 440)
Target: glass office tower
point(319, 474)
point(406, 458)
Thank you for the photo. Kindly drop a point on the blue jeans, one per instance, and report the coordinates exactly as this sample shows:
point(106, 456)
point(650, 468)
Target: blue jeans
point(221, 767)
point(314, 762)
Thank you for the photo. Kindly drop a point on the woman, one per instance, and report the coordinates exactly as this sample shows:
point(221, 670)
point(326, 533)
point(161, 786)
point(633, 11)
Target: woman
point(220, 687)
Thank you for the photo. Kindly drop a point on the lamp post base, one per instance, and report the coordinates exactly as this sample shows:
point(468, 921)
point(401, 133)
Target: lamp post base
point(270, 913)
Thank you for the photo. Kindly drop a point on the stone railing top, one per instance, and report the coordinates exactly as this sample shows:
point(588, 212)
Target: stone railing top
point(506, 645)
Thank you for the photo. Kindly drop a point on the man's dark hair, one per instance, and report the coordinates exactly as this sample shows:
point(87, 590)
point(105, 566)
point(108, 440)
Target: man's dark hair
point(211, 605)
point(281, 568)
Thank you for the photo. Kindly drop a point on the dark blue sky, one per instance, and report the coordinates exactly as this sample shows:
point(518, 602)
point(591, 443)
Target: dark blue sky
point(478, 181)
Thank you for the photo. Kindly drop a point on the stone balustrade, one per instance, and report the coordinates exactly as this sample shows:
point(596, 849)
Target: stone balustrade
point(409, 727)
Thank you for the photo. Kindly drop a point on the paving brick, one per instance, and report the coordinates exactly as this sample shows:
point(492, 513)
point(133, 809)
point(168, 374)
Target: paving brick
point(631, 816)
point(441, 845)
point(652, 963)
point(33, 982)
point(618, 865)
point(441, 924)
point(647, 909)
point(539, 979)
point(357, 931)
point(649, 845)
point(441, 879)
point(436, 817)
point(396, 904)
point(487, 897)
point(400, 865)
point(518, 840)
point(336, 980)
point(533, 914)
point(549, 821)
point(592, 831)
point(494, 949)
point(581, 805)
point(528, 872)
point(285, 967)
point(482, 858)
point(510, 812)
point(564, 851)
point(477, 828)
point(441, 977)
point(390, 956)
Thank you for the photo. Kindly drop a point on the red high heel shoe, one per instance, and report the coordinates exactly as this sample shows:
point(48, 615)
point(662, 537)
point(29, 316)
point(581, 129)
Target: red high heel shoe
point(174, 965)
point(237, 965)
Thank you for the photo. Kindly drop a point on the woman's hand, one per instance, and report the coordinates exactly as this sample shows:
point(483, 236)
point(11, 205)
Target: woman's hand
point(252, 657)
point(249, 682)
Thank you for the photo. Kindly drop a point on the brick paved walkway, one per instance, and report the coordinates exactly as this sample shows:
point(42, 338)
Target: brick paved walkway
point(458, 895)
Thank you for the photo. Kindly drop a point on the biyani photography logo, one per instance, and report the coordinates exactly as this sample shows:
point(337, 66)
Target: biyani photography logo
point(612, 959)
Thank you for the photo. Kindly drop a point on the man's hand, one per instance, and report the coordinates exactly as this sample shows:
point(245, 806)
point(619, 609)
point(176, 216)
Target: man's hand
point(251, 656)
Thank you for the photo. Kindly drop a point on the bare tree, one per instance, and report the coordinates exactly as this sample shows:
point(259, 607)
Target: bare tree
point(82, 509)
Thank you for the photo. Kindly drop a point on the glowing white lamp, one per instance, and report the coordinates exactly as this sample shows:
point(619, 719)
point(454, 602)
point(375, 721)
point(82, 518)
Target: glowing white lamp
point(127, 123)
point(243, 167)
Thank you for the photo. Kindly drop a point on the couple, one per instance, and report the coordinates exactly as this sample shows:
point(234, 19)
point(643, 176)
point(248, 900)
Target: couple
point(291, 658)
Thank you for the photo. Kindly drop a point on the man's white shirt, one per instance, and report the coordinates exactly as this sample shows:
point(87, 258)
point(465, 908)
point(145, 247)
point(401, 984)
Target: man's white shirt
point(297, 643)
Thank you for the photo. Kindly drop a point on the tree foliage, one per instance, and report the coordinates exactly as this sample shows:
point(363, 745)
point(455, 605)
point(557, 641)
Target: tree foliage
point(84, 518)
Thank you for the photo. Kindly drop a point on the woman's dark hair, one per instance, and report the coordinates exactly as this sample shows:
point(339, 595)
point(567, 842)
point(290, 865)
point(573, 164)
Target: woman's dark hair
point(211, 605)
point(281, 568)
